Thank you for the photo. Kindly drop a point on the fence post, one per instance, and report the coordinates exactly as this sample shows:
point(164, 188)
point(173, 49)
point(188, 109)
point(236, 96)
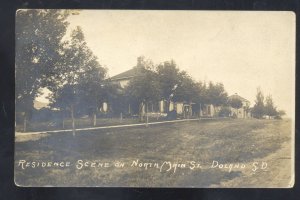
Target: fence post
point(25, 123)
point(94, 119)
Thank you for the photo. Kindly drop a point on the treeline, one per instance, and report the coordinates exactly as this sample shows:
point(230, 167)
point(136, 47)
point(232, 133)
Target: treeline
point(265, 108)
point(165, 81)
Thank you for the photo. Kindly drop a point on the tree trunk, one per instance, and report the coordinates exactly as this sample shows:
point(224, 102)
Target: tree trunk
point(129, 109)
point(25, 122)
point(63, 120)
point(141, 118)
point(94, 119)
point(147, 117)
point(73, 120)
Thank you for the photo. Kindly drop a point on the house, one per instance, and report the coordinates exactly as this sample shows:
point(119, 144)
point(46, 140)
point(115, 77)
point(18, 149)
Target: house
point(158, 108)
point(209, 110)
point(244, 111)
point(124, 78)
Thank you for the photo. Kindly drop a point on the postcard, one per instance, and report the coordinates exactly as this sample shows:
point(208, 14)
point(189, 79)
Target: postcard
point(140, 98)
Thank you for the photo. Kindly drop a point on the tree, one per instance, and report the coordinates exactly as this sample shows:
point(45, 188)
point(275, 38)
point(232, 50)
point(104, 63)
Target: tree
point(187, 91)
point(235, 103)
point(224, 111)
point(259, 107)
point(81, 78)
point(92, 85)
point(39, 44)
point(279, 114)
point(216, 94)
point(168, 78)
point(200, 96)
point(144, 88)
point(186, 88)
point(115, 96)
point(65, 99)
point(270, 109)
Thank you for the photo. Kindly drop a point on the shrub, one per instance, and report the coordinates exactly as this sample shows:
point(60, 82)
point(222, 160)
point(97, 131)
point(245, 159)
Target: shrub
point(224, 112)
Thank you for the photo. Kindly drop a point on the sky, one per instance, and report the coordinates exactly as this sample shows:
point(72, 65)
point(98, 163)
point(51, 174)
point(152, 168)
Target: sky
point(243, 50)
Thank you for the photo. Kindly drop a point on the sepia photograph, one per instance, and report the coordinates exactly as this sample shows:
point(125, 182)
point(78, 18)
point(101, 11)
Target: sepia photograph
point(148, 98)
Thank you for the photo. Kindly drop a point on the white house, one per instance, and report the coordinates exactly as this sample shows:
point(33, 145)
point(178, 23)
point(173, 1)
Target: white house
point(242, 112)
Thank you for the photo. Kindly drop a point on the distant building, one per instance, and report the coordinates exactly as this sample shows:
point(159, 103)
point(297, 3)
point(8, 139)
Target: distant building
point(244, 111)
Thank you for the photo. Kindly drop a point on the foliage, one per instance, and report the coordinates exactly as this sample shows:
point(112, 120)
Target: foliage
point(115, 96)
point(168, 77)
point(144, 87)
point(178, 85)
point(39, 45)
point(224, 111)
point(281, 113)
point(80, 82)
point(235, 103)
point(186, 89)
point(200, 95)
point(259, 107)
point(216, 94)
point(270, 109)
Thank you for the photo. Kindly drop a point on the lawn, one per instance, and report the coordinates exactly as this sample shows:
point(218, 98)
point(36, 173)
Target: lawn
point(166, 155)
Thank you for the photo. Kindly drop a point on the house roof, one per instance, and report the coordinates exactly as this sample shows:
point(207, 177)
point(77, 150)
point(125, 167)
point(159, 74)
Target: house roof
point(236, 96)
point(127, 74)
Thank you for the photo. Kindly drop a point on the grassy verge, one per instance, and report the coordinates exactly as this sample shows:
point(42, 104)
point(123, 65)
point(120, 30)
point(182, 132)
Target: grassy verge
point(234, 141)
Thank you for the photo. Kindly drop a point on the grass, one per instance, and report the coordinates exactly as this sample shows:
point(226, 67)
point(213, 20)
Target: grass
point(234, 141)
